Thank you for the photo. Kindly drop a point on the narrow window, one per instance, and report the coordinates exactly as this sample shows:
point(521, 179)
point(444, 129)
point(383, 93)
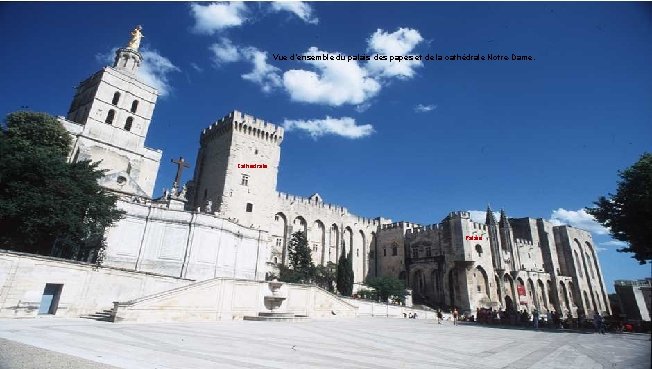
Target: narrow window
point(415, 253)
point(116, 98)
point(109, 117)
point(428, 252)
point(357, 252)
point(250, 207)
point(245, 180)
point(394, 250)
point(134, 106)
point(130, 121)
point(275, 260)
point(278, 242)
point(384, 252)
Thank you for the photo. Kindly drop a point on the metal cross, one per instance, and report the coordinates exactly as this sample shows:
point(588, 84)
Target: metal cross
point(181, 164)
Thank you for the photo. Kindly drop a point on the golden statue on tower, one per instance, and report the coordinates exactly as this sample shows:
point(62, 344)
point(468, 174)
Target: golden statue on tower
point(136, 36)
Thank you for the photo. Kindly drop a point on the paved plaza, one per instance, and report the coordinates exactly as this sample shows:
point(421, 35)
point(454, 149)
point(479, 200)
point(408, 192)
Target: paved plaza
point(354, 343)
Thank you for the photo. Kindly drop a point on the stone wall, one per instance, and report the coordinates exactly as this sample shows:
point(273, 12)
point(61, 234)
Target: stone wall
point(327, 227)
point(185, 244)
point(86, 289)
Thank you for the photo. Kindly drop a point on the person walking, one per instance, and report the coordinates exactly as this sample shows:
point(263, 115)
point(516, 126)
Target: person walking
point(598, 323)
point(535, 318)
point(455, 315)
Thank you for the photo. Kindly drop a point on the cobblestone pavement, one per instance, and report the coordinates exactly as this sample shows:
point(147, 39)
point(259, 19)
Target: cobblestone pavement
point(352, 343)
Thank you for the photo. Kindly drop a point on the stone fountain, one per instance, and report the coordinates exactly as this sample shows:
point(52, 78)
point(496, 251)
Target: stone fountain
point(273, 302)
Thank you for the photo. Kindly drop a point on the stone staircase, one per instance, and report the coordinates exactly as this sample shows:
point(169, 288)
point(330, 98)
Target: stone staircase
point(101, 316)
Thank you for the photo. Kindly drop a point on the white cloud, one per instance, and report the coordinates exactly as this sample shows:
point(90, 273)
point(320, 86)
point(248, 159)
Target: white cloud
point(345, 127)
point(420, 108)
point(299, 8)
point(480, 216)
point(613, 243)
point(265, 75)
point(196, 67)
point(400, 43)
point(215, 17)
point(224, 51)
point(154, 69)
point(336, 82)
point(579, 219)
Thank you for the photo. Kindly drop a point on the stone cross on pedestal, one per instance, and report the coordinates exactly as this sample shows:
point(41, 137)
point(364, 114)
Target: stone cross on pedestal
point(181, 165)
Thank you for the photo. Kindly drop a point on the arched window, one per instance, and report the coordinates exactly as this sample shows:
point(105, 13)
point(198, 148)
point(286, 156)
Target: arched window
point(130, 121)
point(578, 264)
point(478, 249)
point(110, 116)
point(394, 250)
point(134, 106)
point(116, 98)
point(588, 261)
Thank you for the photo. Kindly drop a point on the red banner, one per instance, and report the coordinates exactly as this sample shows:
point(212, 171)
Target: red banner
point(521, 290)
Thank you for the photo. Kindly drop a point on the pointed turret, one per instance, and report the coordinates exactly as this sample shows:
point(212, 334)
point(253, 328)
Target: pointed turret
point(494, 243)
point(491, 220)
point(506, 240)
point(504, 222)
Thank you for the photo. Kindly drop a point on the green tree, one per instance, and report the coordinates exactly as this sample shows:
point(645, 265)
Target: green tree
point(387, 287)
point(628, 213)
point(349, 273)
point(47, 205)
point(342, 274)
point(325, 275)
point(301, 268)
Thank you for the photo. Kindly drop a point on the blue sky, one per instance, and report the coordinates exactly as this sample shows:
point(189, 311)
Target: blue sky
point(407, 141)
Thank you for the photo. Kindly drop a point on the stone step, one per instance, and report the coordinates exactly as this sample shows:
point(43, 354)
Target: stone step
point(277, 317)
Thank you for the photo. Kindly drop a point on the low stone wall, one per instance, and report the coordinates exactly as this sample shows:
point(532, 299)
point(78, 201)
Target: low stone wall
point(228, 299)
point(86, 289)
point(374, 309)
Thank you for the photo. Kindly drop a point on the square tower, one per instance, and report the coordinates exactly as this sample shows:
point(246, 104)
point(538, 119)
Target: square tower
point(236, 169)
point(109, 118)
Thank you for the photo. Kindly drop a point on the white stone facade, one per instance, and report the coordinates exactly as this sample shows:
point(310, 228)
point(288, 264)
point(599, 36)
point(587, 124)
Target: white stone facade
point(458, 263)
point(109, 118)
point(152, 238)
point(234, 223)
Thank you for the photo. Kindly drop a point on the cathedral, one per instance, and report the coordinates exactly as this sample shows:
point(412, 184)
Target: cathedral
point(229, 220)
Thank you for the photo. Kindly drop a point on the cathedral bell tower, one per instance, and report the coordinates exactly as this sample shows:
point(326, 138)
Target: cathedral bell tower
point(128, 58)
point(109, 118)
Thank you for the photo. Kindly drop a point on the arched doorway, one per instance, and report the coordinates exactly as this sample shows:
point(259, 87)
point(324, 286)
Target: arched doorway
point(482, 281)
point(509, 304)
point(452, 281)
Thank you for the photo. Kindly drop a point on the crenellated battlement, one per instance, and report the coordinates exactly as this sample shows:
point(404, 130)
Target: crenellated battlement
point(460, 214)
point(317, 202)
point(523, 242)
point(245, 124)
point(400, 225)
point(431, 228)
point(479, 226)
